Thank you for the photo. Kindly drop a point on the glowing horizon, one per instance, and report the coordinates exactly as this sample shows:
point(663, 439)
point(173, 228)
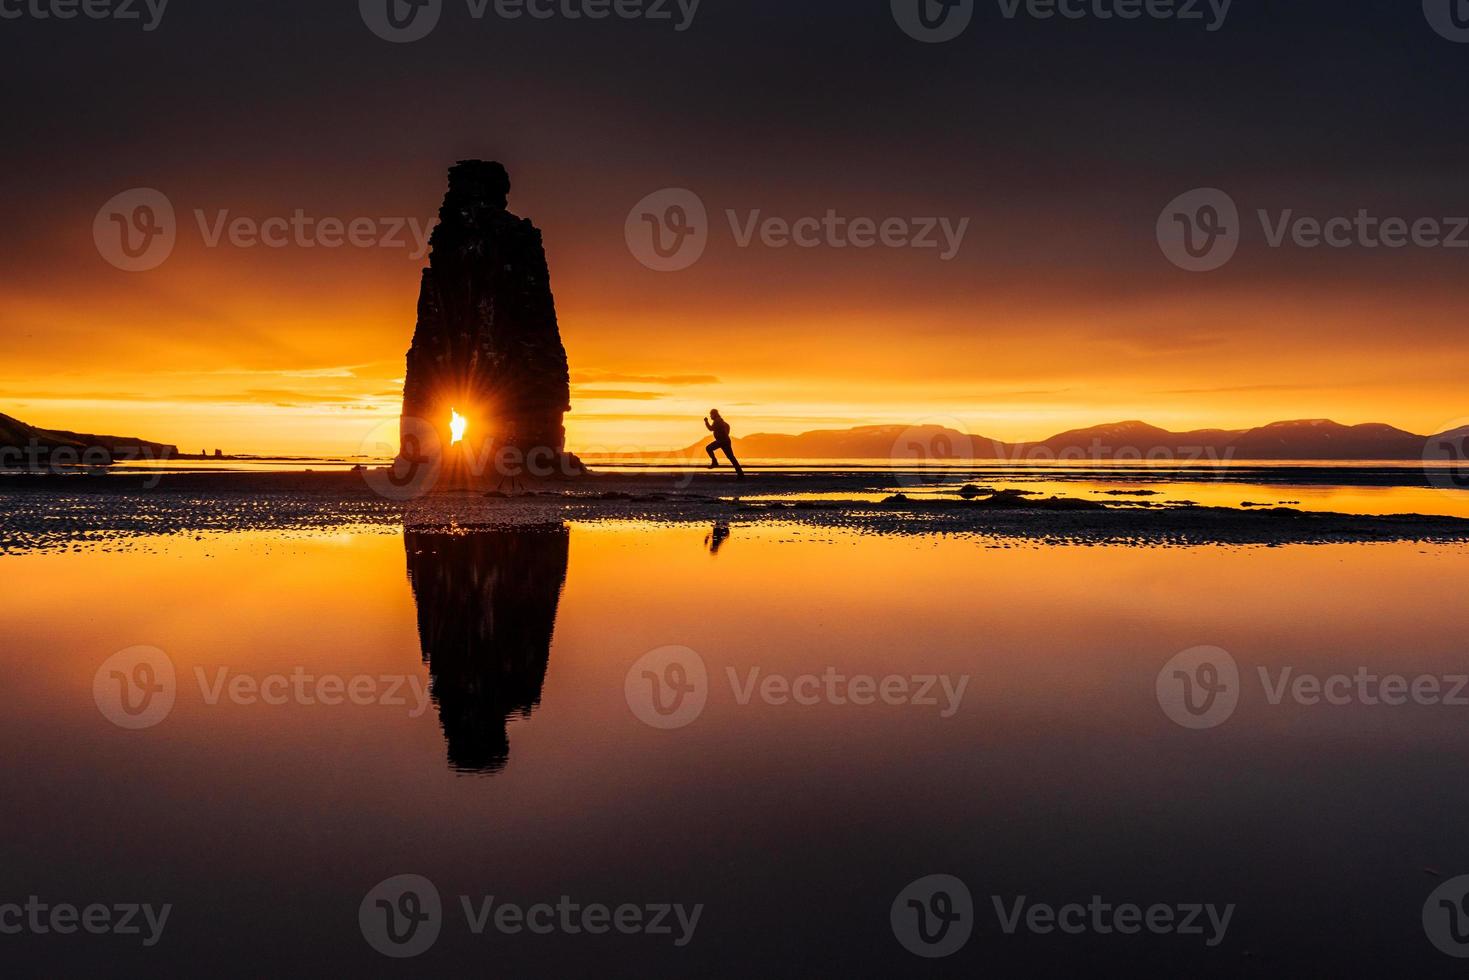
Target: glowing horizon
point(347, 427)
point(301, 352)
point(1059, 311)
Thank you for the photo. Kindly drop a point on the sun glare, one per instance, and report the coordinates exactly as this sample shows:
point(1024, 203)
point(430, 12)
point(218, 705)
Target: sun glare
point(457, 425)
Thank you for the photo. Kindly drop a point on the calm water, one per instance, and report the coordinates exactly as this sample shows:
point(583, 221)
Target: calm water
point(529, 775)
point(1135, 492)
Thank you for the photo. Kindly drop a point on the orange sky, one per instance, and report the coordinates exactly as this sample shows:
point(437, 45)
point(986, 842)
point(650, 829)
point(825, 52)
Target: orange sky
point(301, 351)
point(1058, 143)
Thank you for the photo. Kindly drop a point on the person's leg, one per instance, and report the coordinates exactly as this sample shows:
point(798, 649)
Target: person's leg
point(713, 460)
point(729, 451)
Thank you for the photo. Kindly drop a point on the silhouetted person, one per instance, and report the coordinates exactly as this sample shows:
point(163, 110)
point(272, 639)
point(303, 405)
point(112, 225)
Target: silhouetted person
point(720, 428)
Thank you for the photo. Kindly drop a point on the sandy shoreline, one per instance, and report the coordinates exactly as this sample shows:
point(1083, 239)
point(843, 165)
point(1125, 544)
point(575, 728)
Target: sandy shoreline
point(61, 512)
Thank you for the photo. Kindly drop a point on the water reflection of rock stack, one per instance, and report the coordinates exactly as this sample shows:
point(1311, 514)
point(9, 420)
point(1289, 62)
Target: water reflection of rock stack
point(486, 612)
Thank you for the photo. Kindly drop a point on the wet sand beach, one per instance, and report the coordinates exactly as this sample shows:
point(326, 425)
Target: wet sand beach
point(77, 510)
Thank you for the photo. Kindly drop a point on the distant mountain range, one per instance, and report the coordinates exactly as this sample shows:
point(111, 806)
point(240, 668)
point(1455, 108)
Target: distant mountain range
point(1310, 439)
point(16, 435)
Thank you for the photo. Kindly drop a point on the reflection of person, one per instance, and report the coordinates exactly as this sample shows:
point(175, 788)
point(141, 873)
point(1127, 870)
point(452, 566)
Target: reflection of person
point(715, 539)
point(720, 428)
